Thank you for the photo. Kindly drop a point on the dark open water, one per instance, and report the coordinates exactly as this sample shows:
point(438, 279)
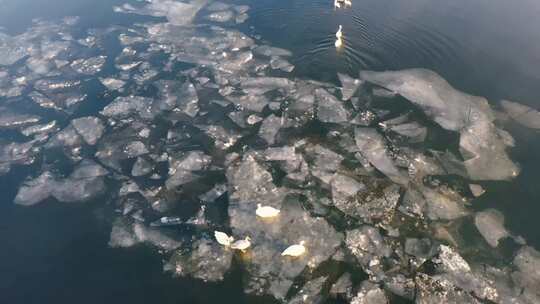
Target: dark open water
point(58, 253)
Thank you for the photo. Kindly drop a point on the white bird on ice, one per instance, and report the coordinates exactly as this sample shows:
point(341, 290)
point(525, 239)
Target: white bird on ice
point(223, 238)
point(266, 211)
point(242, 245)
point(295, 250)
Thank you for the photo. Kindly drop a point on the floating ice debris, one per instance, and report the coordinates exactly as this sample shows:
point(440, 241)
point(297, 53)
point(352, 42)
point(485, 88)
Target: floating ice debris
point(35, 190)
point(85, 183)
point(349, 86)
point(67, 137)
point(522, 114)
point(206, 261)
point(370, 294)
point(452, 272)
point(141, 167)
point(368, 247)
point(16, 153)
point(329, 108)
point(89, 66)
point(266, 211)
point(242, 245)
point(270, 51)
point(223, 239)
point(241, 18)
point(221, 16)
point(527, 260)
point(261, 85)
point(223, 139)
point(181, 96)
point(177, 13)
point(477, 190)
point(12, 49)
point(311, 292)
point(113, 83)
point(343, 287)
point(217, 6)
point(12, 119)
point(278, 63)
point(216, 192)
point(40, 129)
point(250, 102)
point(155, 237)
point(90, 128)
point(123, 107)
point(490, 224)
point(421, 249)
point(295, 250)
point(373, 147)
point(453, 110)
point(270, 128)
point(191, 161)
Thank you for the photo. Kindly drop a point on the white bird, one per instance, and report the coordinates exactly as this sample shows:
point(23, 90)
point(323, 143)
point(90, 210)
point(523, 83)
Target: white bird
point(337, 4)
point(242, 245)
point(266, 211)
point(339, 33)
point(223, 238)
point(348, 3)
point(295, 250)
point(338, 43)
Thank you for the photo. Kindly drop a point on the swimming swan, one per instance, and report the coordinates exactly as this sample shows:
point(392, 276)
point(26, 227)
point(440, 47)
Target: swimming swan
point(339, 33)
point(223, 238)
point(295, 250)
point(266, 211)
point(242, 245)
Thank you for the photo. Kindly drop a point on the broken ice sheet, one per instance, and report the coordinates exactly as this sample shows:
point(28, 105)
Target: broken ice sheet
point(490, 224)
point(89, 66)
point(84, 183)
point(12, 119)
point(90, 128)
point(349, 86)
point(268, 272)
point(223, 138)
point(373, 146)
point(178, 96)
point(330, 109)
point(207, 261)
point(221, 16)
point(522, 114)
point(177, 13)
point(453, 110)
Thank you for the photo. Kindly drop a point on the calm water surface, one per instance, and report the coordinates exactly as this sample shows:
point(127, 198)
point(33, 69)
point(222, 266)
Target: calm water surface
point(58, 253)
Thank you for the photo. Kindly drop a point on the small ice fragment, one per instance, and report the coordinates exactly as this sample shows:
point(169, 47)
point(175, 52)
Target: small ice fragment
point(167, 221)
point(89, 66)
point(220, 16)
point(330, 109)
point(112, 83)
point(522, 114)
point(269, 51)
point(373, 147)
point(476, 190)
point(90, 128)
point(349, 86)
point(213, 194)
point(270, 128)
point(490, 224)
point(141, 167)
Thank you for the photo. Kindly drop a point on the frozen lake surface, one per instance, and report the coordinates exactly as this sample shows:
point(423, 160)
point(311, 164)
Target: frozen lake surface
point(169, 151)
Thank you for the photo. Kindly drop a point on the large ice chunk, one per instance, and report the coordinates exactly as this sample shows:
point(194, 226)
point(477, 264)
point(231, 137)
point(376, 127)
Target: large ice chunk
point(471, 116)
